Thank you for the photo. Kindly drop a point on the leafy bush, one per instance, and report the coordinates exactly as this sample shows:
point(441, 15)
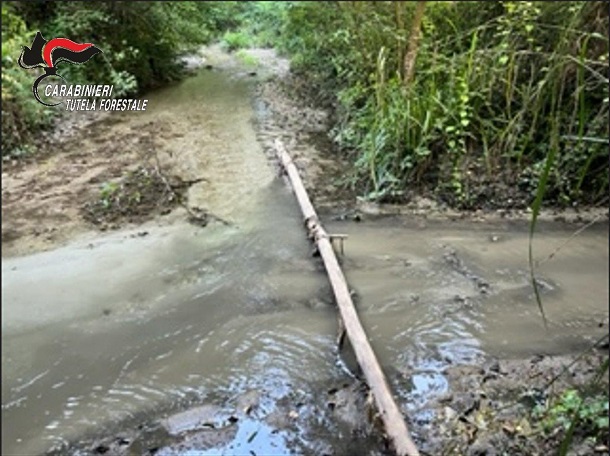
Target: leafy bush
point(497, 87)
point(264, 22)
point(21, 113)
point(236, 40)
point(247, 59)
point(140, 43)
point(258, 24)
point(590, 412)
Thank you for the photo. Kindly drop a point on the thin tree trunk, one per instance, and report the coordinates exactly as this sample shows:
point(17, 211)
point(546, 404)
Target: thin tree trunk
point(413, 46)
point(390, 414)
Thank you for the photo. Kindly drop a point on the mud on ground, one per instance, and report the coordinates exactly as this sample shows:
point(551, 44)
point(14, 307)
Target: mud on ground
point(490, 407)
point(286, 113)
point(84, 183)
point(86, 177)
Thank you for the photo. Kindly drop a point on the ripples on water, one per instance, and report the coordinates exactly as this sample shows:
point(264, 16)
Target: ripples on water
point(245, 320)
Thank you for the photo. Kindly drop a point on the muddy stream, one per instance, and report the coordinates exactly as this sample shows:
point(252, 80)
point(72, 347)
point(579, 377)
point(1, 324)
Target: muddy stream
point(222, 339)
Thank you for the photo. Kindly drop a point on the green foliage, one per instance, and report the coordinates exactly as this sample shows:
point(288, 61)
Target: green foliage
point(236, 40)
point(497, 86)
point(591, 412)
point(258, 24)
point(219, 16)
point(140, 42)
point(264, 21)
point(21, 113)
point(247, 59)
point(107, 192)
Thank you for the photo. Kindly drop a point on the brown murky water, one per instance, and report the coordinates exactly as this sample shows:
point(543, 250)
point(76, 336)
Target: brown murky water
point(444, 293)
point(105, 331)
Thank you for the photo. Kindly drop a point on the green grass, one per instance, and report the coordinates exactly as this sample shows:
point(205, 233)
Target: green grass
point(235, 40)
point(248, 60)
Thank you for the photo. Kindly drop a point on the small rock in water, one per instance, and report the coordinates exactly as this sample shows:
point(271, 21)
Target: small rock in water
point(193, 419)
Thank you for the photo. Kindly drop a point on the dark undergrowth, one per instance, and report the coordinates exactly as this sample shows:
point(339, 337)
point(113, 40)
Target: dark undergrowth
point(496, 88)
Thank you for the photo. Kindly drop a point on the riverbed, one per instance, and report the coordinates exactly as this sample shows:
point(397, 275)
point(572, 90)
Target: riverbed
point(170, 336)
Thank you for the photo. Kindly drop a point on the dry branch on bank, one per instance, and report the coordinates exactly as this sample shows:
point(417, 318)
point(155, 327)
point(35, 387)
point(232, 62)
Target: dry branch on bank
point(393, 421)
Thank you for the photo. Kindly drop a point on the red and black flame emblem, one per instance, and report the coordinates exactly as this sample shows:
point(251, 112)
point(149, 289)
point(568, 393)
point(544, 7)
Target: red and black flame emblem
point(47, 54)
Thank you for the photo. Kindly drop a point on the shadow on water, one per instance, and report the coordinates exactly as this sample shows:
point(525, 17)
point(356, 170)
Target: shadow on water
point(99, 337)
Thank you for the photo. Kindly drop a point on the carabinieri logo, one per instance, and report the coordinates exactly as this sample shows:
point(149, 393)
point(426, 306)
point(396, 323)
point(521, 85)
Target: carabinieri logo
point(47, 54)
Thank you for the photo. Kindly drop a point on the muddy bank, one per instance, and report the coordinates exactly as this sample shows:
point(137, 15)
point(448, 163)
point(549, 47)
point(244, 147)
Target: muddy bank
point(490, 408)
point(86, 183)
point(284, 112)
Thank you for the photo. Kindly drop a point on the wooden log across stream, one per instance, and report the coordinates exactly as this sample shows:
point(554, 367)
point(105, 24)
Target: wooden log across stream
point(393, 421)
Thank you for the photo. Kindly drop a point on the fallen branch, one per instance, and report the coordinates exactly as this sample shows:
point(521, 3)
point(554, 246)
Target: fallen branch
point(394, 423)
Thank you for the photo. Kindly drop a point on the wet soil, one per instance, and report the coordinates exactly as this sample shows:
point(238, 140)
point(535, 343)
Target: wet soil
point(490, 409)
point(124, 170)
point(287, 112)
point(81, 184)
point(122, 181)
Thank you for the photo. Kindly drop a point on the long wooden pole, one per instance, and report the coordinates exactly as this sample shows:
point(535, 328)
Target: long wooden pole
point(395, 426)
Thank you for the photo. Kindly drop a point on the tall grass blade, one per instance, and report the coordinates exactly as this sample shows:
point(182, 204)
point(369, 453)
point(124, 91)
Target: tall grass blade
point(542, 183)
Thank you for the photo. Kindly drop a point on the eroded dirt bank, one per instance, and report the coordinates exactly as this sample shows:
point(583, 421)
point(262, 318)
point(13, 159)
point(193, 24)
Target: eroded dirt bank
point(471, 402)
